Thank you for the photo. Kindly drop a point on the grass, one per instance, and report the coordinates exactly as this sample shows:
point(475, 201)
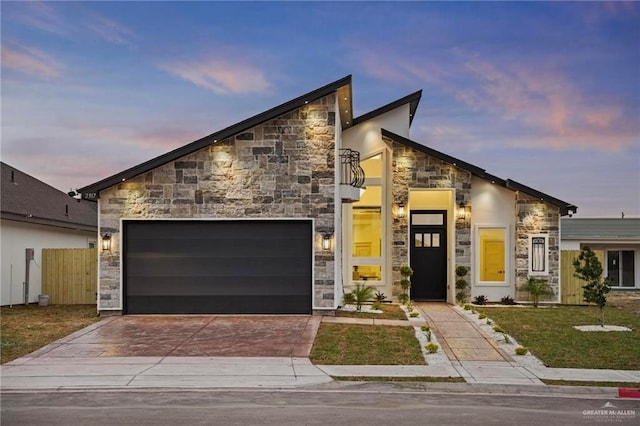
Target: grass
point(598, 384)
point(350, 344)
point(428, 379)
point(23, 329)
point(550, 336)
point(393, 312)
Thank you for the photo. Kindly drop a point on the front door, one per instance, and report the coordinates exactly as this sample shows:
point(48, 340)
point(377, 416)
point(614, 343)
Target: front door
point(428, 254)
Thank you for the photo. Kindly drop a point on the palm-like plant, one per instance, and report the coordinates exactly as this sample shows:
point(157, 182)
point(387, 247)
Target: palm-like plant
point(362, 293)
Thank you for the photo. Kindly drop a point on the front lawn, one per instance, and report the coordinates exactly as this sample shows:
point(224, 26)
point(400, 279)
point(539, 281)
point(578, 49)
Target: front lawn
point(351, 344)
point(389, 311)
point(550, 336)
point(23, 329)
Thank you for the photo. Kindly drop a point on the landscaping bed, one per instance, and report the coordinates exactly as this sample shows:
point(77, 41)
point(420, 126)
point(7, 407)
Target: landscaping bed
point(351, 344)
point(549, 334)
point(389, 311)
point(24, 329)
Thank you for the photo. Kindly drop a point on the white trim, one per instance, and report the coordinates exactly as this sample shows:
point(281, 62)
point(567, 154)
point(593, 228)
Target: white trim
point(507, 255)
point(224, 219)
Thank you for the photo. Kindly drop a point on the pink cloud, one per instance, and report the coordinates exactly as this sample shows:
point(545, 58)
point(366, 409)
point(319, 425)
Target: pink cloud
point(220, 75)
point(29, 60)
point(42, 16)
point(550, 110)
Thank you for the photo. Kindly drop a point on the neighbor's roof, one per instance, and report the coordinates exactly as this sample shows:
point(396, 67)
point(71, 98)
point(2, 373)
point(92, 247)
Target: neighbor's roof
point(600, 229)
point(341, 86)
point(27, 199)
point(565, 207)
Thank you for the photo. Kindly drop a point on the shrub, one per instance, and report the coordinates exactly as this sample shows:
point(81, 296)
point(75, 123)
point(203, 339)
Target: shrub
point(480, 300)
point(521, 350)
point(482, 315)
point(410, 305)
point(461, 270)
point(427, 332)
point(432, 348)
point(376, 305)
point(362, 293)
point(379, 296)
point(348, 299)
point(403, 298)
point(498, 329)
point(537, 287)
point(467, 307)
point(414, 314)
point(461, 284)
point(506, 338)
point(507, 300)
point(489, 322)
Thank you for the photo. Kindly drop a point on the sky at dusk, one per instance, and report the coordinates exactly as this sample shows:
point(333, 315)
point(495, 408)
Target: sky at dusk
point(547, 94)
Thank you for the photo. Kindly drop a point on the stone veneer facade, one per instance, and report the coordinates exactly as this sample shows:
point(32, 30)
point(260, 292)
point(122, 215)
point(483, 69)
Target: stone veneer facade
point(284, 168)
point(413, 169)
point(534, 216)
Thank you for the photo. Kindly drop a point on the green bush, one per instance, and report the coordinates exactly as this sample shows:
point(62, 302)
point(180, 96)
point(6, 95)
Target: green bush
point(498, 329)
point(537, 287)
point(348, 299)
point(403, 298)
point(482, 315)
point(376, 305)
point(414, 314)
point(521, 350)
point(362, 293)
point(432, 348)
point(467, 307)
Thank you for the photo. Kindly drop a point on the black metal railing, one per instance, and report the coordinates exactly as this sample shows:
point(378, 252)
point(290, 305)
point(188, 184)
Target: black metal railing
point(351, 172)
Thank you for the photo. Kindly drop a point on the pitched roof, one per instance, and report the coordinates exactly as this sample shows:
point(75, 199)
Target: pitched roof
point(565, 207)
point(600, 229)
point(413, 100)
point(27, 199)
point(341, 86)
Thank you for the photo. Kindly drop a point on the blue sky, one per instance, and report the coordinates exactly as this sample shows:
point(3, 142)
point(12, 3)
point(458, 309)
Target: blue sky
point(547, 94)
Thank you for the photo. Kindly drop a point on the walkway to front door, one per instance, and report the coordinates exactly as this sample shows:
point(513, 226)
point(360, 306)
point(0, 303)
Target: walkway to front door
point(461, 340)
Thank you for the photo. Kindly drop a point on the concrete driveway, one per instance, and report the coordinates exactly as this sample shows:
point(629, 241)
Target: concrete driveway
point(189, 336)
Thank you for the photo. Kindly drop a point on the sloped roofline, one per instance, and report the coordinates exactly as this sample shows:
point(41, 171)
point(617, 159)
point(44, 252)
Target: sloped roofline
point(91, 191)
point(413, 99)
point(27, 199)
point(565, 208)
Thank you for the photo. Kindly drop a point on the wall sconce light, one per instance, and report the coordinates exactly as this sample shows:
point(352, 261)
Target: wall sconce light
point(106, 242)
point(401, 210)
point(326, 242)
point(463, 211)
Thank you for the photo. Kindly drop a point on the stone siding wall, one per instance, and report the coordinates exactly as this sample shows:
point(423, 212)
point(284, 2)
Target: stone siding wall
point(414, 169)
point(534, 216)
point(282, 169)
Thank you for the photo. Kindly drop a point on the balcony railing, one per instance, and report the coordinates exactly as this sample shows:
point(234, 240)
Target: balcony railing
point(351, 172)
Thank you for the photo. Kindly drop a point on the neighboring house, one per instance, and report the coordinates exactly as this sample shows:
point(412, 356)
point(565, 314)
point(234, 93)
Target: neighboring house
point(35, 216)
point(285, 211)
point(617, 239)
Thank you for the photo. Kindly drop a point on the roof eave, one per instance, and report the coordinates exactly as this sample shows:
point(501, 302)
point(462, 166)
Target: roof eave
point(475, 170)
point(412, 99)
point(91, 191)
point(565, 207)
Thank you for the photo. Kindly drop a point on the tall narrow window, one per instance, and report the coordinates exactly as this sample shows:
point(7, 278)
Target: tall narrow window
point(539, 254)
point(367, 225)
point(492, 254)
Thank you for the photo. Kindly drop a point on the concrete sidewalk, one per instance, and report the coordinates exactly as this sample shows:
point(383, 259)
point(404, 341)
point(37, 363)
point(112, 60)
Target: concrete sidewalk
point(159, 372)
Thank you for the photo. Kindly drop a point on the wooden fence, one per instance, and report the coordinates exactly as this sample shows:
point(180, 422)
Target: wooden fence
point(69, 276)
point(572, 291)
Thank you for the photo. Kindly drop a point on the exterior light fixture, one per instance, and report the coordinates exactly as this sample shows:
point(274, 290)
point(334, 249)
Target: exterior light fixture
point(401, 212)
point(326, 242)
point(463, 211)
point(106, 242)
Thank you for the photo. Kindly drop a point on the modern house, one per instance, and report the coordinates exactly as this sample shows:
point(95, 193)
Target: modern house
point(287, 210)
point(35, 216)
point(616, 239)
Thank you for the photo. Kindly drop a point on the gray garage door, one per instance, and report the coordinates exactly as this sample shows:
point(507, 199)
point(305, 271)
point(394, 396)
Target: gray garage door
point(197, 267)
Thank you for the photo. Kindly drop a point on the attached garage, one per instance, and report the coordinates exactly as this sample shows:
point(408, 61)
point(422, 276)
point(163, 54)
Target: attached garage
point(210, 267)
